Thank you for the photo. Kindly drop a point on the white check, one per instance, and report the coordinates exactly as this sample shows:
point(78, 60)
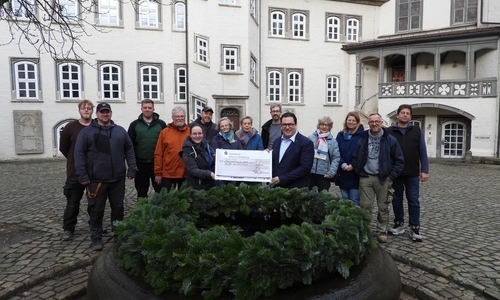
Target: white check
point(243, 165)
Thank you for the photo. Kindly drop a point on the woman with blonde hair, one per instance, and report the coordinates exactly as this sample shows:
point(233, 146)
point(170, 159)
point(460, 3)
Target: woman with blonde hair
point(347, 179)
point(326, 155)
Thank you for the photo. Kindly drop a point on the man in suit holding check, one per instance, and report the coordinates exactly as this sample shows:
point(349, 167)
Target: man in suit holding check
point(293, 155)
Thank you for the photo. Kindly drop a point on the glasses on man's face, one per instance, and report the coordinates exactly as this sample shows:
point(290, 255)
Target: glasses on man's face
point(374, 122)
point(287, 124)
point(86, 108)
point(179, 117)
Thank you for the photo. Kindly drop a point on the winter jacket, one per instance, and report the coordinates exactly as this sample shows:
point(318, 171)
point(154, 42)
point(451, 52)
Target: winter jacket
point(219, 142)
point(412, 144)
point(209, 129)
point(199, 164)
point(265, 132)
point(168, 163)
point(390, 160)
point(254, 143)
point(101, 151)
point(145, 137)
point(347, 144)
point(330, 165)
point(67, 144)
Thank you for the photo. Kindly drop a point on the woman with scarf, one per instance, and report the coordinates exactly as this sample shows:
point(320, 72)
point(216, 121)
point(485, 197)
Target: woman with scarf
point(249, 136)
point(348, 180)
point(199, 160)
point(226, 139)
point(326, 155)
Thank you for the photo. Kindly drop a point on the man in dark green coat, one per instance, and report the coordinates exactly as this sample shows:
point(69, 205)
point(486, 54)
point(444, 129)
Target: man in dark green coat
point(144, 134)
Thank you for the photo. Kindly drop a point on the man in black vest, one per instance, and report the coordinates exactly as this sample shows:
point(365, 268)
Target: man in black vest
point(416, 170)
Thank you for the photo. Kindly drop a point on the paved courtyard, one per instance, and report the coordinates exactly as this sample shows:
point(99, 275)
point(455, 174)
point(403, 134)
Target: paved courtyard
point(459, 258)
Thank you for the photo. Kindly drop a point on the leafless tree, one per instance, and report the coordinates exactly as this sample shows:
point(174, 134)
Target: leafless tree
point(56, 27)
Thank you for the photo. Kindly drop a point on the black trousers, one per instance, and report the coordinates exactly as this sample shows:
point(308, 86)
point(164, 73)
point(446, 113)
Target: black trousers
point(320, 181)
point(115, 192)
point(145, 174)
point(168, 183)
point(73, 191)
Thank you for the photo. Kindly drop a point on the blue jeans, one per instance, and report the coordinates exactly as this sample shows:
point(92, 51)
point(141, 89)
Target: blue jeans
point(412, 186)
point(351, 194)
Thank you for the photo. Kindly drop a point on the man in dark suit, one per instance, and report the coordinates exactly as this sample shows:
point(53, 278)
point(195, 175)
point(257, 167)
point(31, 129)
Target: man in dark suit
point(293, 155)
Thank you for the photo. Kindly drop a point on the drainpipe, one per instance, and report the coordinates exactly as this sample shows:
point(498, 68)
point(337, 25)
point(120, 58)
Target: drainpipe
point(188, 98)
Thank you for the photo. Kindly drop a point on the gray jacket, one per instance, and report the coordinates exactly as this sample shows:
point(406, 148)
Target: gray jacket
point(331, 164)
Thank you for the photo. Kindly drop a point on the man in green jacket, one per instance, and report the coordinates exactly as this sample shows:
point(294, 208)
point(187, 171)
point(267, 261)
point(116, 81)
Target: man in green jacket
point(144, 134)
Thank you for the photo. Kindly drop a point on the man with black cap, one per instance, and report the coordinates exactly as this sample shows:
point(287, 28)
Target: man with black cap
point(205, 121)
point(100, 165)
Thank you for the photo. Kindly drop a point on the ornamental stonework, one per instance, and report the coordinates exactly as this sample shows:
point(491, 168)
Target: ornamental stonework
point(28, 131)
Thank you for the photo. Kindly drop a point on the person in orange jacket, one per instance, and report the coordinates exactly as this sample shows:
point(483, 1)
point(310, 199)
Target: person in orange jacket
point(169, 167)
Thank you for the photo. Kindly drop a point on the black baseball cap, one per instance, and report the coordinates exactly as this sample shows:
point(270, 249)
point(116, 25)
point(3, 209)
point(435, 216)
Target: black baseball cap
point(207, 108)
point(103, 106)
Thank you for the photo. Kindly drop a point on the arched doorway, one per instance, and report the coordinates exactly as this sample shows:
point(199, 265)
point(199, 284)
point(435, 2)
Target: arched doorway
point(233, 115)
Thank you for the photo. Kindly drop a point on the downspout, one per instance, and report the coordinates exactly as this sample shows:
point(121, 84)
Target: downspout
point(188, 98)
point(259, 3)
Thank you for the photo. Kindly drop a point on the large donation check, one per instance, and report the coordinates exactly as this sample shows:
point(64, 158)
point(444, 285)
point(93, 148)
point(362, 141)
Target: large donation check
point(243, 165)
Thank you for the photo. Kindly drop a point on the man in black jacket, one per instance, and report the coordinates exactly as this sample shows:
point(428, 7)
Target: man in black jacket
point(271, 130)
point(205, 121)
point(144, 132)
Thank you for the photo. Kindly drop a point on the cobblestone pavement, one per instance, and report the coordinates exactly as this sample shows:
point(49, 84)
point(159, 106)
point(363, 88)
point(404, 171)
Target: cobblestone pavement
point(458, 259)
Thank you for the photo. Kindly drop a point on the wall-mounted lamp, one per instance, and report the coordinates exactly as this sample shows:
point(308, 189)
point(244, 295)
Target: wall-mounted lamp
point(429, 126)
point(454, 64)
point(426, 66)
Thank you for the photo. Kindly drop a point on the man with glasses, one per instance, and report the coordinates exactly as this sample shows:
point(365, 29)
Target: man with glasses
point(292, 156)
point(378, 160)
point(169, 167)
point(73, 190)
point(205, 121)
point(100, 153)
point(271, 130)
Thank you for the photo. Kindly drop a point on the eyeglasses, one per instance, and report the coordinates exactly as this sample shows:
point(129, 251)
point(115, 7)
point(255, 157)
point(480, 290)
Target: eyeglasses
point(288, 125)
point(179, 117)
point(374, 122)
point(275, 111)
point(85, 108)
point(322, 124)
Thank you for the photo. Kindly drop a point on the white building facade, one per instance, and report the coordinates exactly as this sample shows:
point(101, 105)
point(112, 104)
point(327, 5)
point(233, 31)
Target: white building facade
point(316, 58)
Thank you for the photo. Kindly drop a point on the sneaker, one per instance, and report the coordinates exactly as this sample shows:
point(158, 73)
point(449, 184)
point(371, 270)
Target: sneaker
point(415, 234)
point(382, 237)
point(397, 229)
point(96, 245)
point(68, 235)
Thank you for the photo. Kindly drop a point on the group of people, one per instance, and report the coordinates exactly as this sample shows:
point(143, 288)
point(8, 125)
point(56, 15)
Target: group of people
point(364, 164)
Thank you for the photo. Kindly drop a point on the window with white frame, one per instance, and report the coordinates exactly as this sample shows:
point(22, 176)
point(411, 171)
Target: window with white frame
point(67, 9)
point(352, 30)
point(198, 105)
point(26, 80)
point(288, 23)
point(230, 58)
point(180, 16)
point(253, 9)
point(253, 68)
point(202, 50)
point(148, 14)
point(109, 12)
point(294, 87)
point(332, 90)
point(333, 29)
point(277, 24)
point(70, 81)
point(23, 9)
point(180, 84)
point(111, 81)
point(409, 15)
point(150, 82)
point(299, 26)
point(464, 11)
point(274, 86)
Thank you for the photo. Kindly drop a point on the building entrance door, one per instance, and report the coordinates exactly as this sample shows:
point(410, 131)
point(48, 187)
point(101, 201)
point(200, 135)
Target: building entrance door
point(453, 139)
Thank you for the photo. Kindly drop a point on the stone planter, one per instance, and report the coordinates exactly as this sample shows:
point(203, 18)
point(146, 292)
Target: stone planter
point(377, 277)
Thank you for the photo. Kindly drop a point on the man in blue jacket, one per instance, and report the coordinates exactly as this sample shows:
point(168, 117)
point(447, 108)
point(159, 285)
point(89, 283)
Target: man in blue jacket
point(100, 153)
point(378, 160)
point(293, 155)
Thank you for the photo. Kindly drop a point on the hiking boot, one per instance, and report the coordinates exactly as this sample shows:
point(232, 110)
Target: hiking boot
point(397, 229)
point(382, 237)
point(96, 245)
point(67, 236)
point(415, 234)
